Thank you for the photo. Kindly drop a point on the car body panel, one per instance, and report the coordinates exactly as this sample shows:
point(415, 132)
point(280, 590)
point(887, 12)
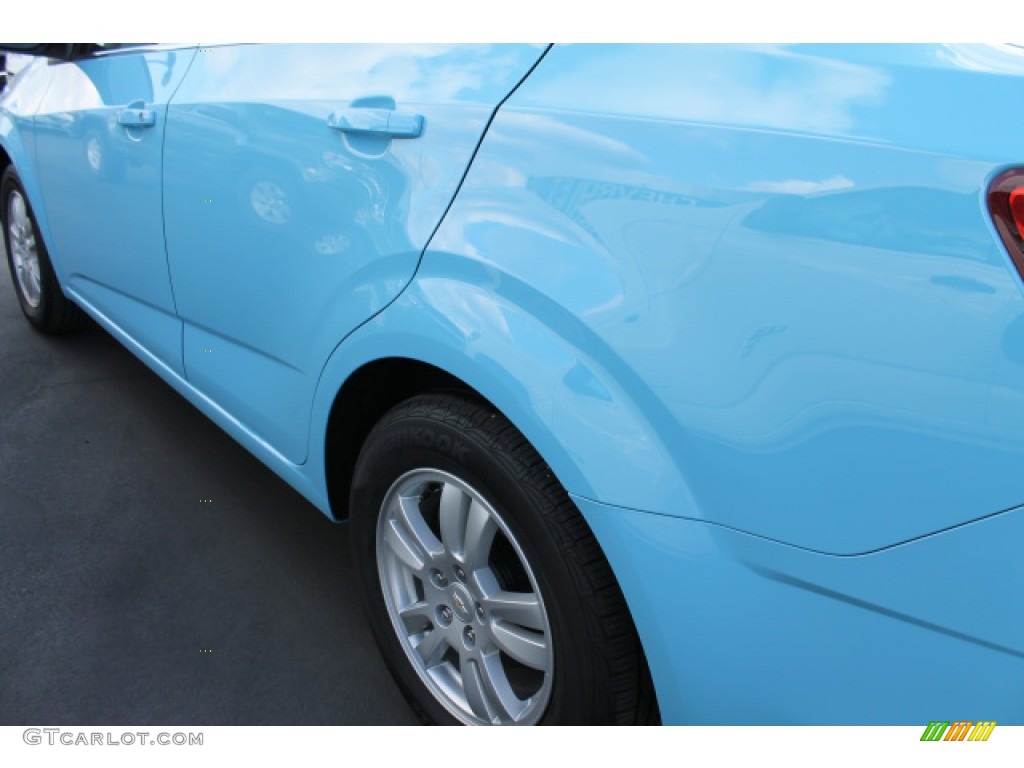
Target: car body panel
point(493, 346)
point(283, 235)
point(105, 179)
point(818, 329)
point(739, 630)
point(297, 476)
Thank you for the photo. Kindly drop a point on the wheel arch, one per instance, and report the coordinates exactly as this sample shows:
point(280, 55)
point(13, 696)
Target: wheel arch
point(369, 393)
point(14, 152)
point(586, 417)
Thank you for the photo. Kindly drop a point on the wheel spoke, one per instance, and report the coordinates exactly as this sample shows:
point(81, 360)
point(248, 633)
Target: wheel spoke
point(480, 530)
point(487, 689)
point(409, 536)
point(409, 510)
point(432, 647)
point(522, 608)
point(32, 267)
point(18, 216)
point(417, 616)
point(453, 512)
point(473, 685)
point(523, 645)
point(499, 692)
point(403, 546)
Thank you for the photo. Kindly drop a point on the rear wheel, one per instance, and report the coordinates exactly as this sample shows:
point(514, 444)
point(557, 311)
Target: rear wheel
point(489, 597)
point(39, 294)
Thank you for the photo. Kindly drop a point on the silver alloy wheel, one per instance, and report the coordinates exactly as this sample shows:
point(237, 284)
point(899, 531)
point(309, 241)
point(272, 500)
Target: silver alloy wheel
point(25, 257)
point(463, 600)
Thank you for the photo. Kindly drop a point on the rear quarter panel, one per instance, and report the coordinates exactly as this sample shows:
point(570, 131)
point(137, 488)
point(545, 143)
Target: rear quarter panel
point(774, 264)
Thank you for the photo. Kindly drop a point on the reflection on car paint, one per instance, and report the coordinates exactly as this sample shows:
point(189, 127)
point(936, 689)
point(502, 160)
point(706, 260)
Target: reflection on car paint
point(745, 301)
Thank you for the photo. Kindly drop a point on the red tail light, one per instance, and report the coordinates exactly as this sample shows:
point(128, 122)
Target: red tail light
point(1017, 209)
point(1006, 203)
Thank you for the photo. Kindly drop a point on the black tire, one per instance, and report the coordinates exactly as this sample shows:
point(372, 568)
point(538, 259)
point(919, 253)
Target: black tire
point(50, 311)
point(598, 674)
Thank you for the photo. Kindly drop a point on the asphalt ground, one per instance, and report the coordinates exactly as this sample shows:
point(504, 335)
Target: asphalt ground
point(125, 598)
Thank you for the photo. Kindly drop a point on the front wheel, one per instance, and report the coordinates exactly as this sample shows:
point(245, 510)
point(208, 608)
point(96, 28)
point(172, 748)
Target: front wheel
point(488, 595)
point(39, 293)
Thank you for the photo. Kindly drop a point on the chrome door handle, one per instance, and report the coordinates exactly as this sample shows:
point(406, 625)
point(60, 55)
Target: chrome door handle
point(136, 117)
point(376, 122)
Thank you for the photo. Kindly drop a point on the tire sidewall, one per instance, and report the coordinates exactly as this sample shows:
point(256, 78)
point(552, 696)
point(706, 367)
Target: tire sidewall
point(415, 442)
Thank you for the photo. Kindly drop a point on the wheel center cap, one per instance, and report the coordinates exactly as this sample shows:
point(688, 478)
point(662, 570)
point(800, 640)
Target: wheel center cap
point(462, 603)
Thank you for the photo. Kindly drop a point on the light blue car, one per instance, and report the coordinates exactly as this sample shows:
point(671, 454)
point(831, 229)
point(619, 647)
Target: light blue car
point(659, 383)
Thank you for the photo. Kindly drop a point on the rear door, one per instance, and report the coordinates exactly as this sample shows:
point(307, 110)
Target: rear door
point(301, 185)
